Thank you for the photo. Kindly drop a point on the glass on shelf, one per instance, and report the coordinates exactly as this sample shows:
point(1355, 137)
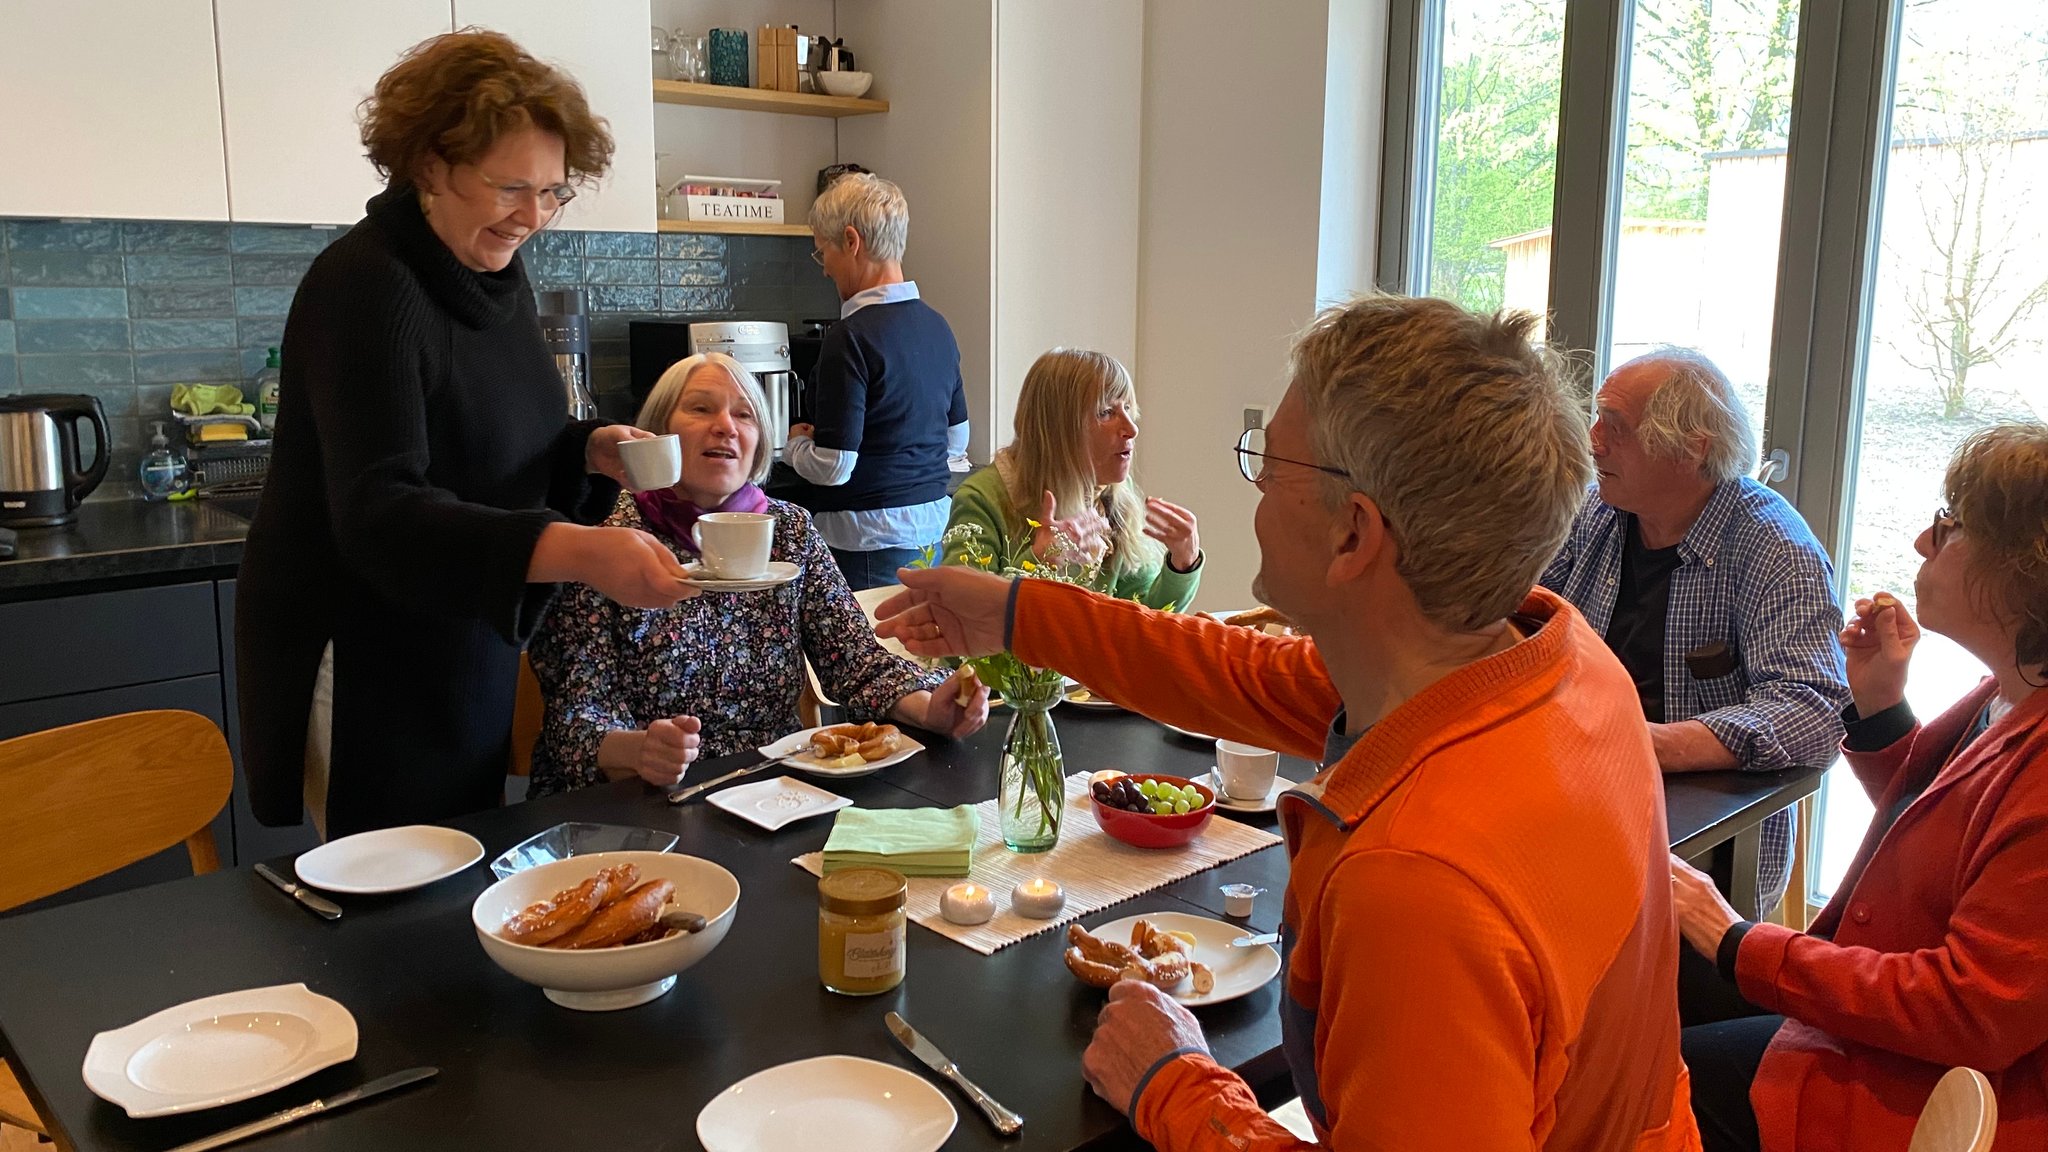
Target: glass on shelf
point(687, 52)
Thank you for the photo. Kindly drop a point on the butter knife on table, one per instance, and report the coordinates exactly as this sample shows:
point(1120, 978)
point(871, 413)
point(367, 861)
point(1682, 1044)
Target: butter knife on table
point(306, 1111)
point(1005, 1121)
point(320, 905)
point(696, 790)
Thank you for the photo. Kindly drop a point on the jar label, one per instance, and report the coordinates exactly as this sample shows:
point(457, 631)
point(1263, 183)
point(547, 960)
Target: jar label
point(873, 955)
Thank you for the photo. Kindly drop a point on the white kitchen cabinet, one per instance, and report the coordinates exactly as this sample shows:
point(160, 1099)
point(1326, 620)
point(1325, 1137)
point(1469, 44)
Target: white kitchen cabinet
point(113, 110)
point(604, 45)
point(291, 78)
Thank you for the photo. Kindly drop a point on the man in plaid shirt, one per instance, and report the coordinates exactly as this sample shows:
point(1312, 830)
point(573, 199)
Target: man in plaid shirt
point(1707, 585)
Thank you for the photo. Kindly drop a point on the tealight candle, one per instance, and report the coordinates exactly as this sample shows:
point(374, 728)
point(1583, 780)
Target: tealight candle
point(967, 903)
point(1038, 899)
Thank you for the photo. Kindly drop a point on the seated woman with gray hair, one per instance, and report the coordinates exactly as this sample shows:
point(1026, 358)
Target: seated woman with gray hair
point(640, 693)
point(887, 401)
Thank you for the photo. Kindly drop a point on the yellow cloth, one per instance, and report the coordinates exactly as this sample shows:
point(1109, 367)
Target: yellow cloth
point(209, 400)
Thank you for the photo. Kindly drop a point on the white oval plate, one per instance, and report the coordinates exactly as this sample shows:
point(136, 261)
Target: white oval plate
point(828, 1102)
point(1188, 732)
point(1239, 971)
point(796, 742)
point(219, 1049)
point(779, 572)
point(771, 804)
point(388, 860)
point(1080, 697)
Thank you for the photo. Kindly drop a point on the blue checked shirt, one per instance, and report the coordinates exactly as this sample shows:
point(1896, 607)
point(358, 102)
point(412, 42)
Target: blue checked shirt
point(1750, 575)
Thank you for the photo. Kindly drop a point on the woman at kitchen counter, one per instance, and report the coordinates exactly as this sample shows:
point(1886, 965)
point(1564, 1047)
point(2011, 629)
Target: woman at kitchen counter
point(640, 693)
point(1068, 475)
point(427, 490)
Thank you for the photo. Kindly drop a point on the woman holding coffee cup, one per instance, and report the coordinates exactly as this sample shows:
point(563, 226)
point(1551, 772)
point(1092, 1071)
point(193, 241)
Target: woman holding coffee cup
point(630, 692)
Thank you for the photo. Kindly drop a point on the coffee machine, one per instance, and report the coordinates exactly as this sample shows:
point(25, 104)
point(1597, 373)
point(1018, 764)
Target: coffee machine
point(761, 347)
point(567, 330)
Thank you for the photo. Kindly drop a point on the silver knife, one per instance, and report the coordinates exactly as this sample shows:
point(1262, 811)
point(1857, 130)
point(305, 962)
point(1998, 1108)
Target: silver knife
point(321, 905)
point(696, 790)
point(304, 1111)
point(1005, 1121)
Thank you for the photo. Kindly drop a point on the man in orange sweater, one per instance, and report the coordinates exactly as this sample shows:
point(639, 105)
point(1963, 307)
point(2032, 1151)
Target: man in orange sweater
point(1478, 924)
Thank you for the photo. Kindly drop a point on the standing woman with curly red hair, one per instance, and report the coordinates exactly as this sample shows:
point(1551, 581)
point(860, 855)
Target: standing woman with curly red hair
point(427, 489)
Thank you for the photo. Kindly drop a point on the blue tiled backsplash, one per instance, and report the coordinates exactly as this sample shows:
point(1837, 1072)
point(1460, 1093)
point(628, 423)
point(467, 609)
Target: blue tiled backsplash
point(125, 309)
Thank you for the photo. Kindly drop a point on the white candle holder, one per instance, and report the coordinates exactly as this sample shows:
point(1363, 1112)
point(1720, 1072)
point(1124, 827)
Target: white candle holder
point(1038, 899)
point(967, 903)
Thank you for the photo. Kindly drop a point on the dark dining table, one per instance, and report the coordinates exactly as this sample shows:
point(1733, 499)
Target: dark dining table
point(516, 1071)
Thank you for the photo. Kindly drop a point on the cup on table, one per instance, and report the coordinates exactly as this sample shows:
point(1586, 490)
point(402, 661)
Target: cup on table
point(1246, 772)
point(734, 545)
point(652, 463)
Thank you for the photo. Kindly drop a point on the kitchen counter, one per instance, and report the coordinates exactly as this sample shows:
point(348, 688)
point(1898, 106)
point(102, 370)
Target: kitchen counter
point(127, 541)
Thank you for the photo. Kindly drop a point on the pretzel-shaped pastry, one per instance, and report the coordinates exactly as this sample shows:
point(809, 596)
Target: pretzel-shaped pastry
point(542, 923)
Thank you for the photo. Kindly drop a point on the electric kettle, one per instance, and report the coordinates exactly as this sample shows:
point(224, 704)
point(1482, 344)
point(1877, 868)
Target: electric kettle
point(42, 473)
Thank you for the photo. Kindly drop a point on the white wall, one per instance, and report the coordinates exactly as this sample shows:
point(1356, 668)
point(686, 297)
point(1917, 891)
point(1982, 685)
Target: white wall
point(1068, 95)
point(1354, 104)
point(1233, 97)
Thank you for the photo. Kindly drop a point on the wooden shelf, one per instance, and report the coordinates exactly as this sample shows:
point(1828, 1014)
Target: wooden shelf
point(732, 229)
point(763, 100)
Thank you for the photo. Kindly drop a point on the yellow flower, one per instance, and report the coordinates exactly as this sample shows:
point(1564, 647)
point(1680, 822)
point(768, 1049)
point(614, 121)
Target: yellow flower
point(1033, 523)
point(985, 559)
point(1030, 567)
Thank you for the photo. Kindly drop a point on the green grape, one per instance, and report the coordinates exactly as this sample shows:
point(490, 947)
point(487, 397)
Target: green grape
point(1149, 789)
point(1193, 797)
point(1181, 807)
point(1161, 808)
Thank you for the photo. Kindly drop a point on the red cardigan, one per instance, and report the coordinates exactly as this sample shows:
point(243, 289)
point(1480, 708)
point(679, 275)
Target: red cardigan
point(1938, 956)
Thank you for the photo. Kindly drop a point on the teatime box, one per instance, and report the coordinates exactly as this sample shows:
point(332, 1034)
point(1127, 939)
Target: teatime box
point(726, 200)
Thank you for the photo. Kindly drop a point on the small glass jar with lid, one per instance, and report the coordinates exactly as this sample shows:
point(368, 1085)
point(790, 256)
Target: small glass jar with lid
point(860, 930)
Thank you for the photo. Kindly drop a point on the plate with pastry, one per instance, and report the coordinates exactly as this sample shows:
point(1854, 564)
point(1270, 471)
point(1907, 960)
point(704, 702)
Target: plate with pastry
point(1190, 958)
point(844, 750)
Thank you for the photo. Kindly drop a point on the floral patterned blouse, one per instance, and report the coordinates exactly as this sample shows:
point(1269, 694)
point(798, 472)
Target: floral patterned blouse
point(733, 660)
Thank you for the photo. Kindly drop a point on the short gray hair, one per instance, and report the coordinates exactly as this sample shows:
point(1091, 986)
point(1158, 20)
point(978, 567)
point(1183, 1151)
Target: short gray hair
point(661, 403)
point(869, 205)
point(1696, 402)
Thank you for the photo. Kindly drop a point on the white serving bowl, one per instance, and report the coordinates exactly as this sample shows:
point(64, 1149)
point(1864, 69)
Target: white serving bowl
point(845, 83)
point(603, 979)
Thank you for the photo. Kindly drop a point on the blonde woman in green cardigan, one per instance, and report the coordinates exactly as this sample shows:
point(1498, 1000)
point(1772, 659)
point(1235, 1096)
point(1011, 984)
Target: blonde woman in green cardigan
point(1068, 474)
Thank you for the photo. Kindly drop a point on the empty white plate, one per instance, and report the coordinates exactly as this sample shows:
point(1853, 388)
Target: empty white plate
point(1239, 971)
point(828, 1102)
point(388, 860)
point(797, 742)
point(779, 572)
point(217, 1050)
point(775, 803)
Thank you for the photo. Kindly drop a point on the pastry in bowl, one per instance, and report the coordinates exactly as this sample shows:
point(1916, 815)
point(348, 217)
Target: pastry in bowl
point(587, 930)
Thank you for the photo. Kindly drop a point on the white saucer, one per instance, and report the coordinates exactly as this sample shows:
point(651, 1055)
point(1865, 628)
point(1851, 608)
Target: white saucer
point(388, 859)
point(772, 804)
point(779, 572)
point(1230, 803)
point(1239, 971)
point(828, 1102)
point(217, 1050)
point(797, 742)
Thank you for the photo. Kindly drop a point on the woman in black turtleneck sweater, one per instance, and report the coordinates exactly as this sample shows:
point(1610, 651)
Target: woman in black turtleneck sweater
point(427, 490)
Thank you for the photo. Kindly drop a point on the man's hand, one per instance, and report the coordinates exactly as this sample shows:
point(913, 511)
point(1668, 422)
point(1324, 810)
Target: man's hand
point(1704, 915)
point(1690, 746)
point(1877, 645)
point(601, 450)
point(946, 611)
point(1139, 1025)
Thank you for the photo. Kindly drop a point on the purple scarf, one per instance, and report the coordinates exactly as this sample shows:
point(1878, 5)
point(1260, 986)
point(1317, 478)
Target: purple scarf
point(672, 514)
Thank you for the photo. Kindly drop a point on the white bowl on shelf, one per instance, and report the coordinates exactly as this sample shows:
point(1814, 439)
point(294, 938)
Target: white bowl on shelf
point(604, 979)
point(845, 83)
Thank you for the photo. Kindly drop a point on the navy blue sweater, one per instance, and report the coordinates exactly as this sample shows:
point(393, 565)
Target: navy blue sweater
point(888, 386)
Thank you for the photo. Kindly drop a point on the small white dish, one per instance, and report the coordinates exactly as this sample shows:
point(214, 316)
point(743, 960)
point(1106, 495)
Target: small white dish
point(793, 745)
point(772, 804)
point(1230, 803)
point(845, 83)
point(1239, 971)
point(779, 572)
point(219, 1049)
point(828, 1102)
point(388, 860)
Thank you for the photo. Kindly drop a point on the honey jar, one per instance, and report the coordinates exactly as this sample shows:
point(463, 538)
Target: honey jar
point(860, 930)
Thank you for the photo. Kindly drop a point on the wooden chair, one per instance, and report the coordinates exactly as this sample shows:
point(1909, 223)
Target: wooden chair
point(81, 801)
point(1961, 1115)
point(526, 720)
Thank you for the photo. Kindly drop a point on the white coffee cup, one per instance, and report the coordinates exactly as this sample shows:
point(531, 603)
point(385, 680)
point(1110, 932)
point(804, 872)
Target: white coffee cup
point(735, 545)
point(652, 463)
point(1247, 772)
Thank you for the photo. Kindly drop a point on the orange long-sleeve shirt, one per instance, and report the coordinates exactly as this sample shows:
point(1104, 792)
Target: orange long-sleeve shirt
point(1481, 948)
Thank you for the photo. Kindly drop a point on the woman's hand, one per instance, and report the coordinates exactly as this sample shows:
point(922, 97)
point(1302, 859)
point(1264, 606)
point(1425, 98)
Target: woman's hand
point(1086, 532)
point(626, 564)
point(601, 450)
point(807, 431)
point(941, 710)
point(1704, 916)
point(1877, 645)
point(1174, 526)
point(659, 755)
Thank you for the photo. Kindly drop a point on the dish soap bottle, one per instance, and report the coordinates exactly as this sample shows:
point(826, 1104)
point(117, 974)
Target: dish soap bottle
point(266, 393)
point(163, 471)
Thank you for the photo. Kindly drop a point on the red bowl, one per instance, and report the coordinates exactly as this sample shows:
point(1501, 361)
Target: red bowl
point(1146, 830)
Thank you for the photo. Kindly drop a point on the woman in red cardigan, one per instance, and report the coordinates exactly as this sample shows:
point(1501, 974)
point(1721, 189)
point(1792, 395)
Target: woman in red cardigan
point(1933, 953)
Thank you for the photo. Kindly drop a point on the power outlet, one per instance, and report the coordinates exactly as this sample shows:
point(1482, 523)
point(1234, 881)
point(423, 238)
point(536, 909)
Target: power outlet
point(1256, 415)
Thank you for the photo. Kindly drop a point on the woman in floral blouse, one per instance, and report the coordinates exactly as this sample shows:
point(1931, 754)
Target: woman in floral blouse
point(643, 693)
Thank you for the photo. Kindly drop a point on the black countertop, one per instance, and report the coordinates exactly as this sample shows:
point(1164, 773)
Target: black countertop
point(126, 541)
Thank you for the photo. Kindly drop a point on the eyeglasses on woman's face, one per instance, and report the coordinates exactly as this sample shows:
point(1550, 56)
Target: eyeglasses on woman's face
point(1254, 465)
point(1944, 526)
point(510, 194)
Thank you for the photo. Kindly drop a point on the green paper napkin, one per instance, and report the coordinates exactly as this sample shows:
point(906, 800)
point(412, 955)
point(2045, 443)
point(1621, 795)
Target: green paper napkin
point(913, 841)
